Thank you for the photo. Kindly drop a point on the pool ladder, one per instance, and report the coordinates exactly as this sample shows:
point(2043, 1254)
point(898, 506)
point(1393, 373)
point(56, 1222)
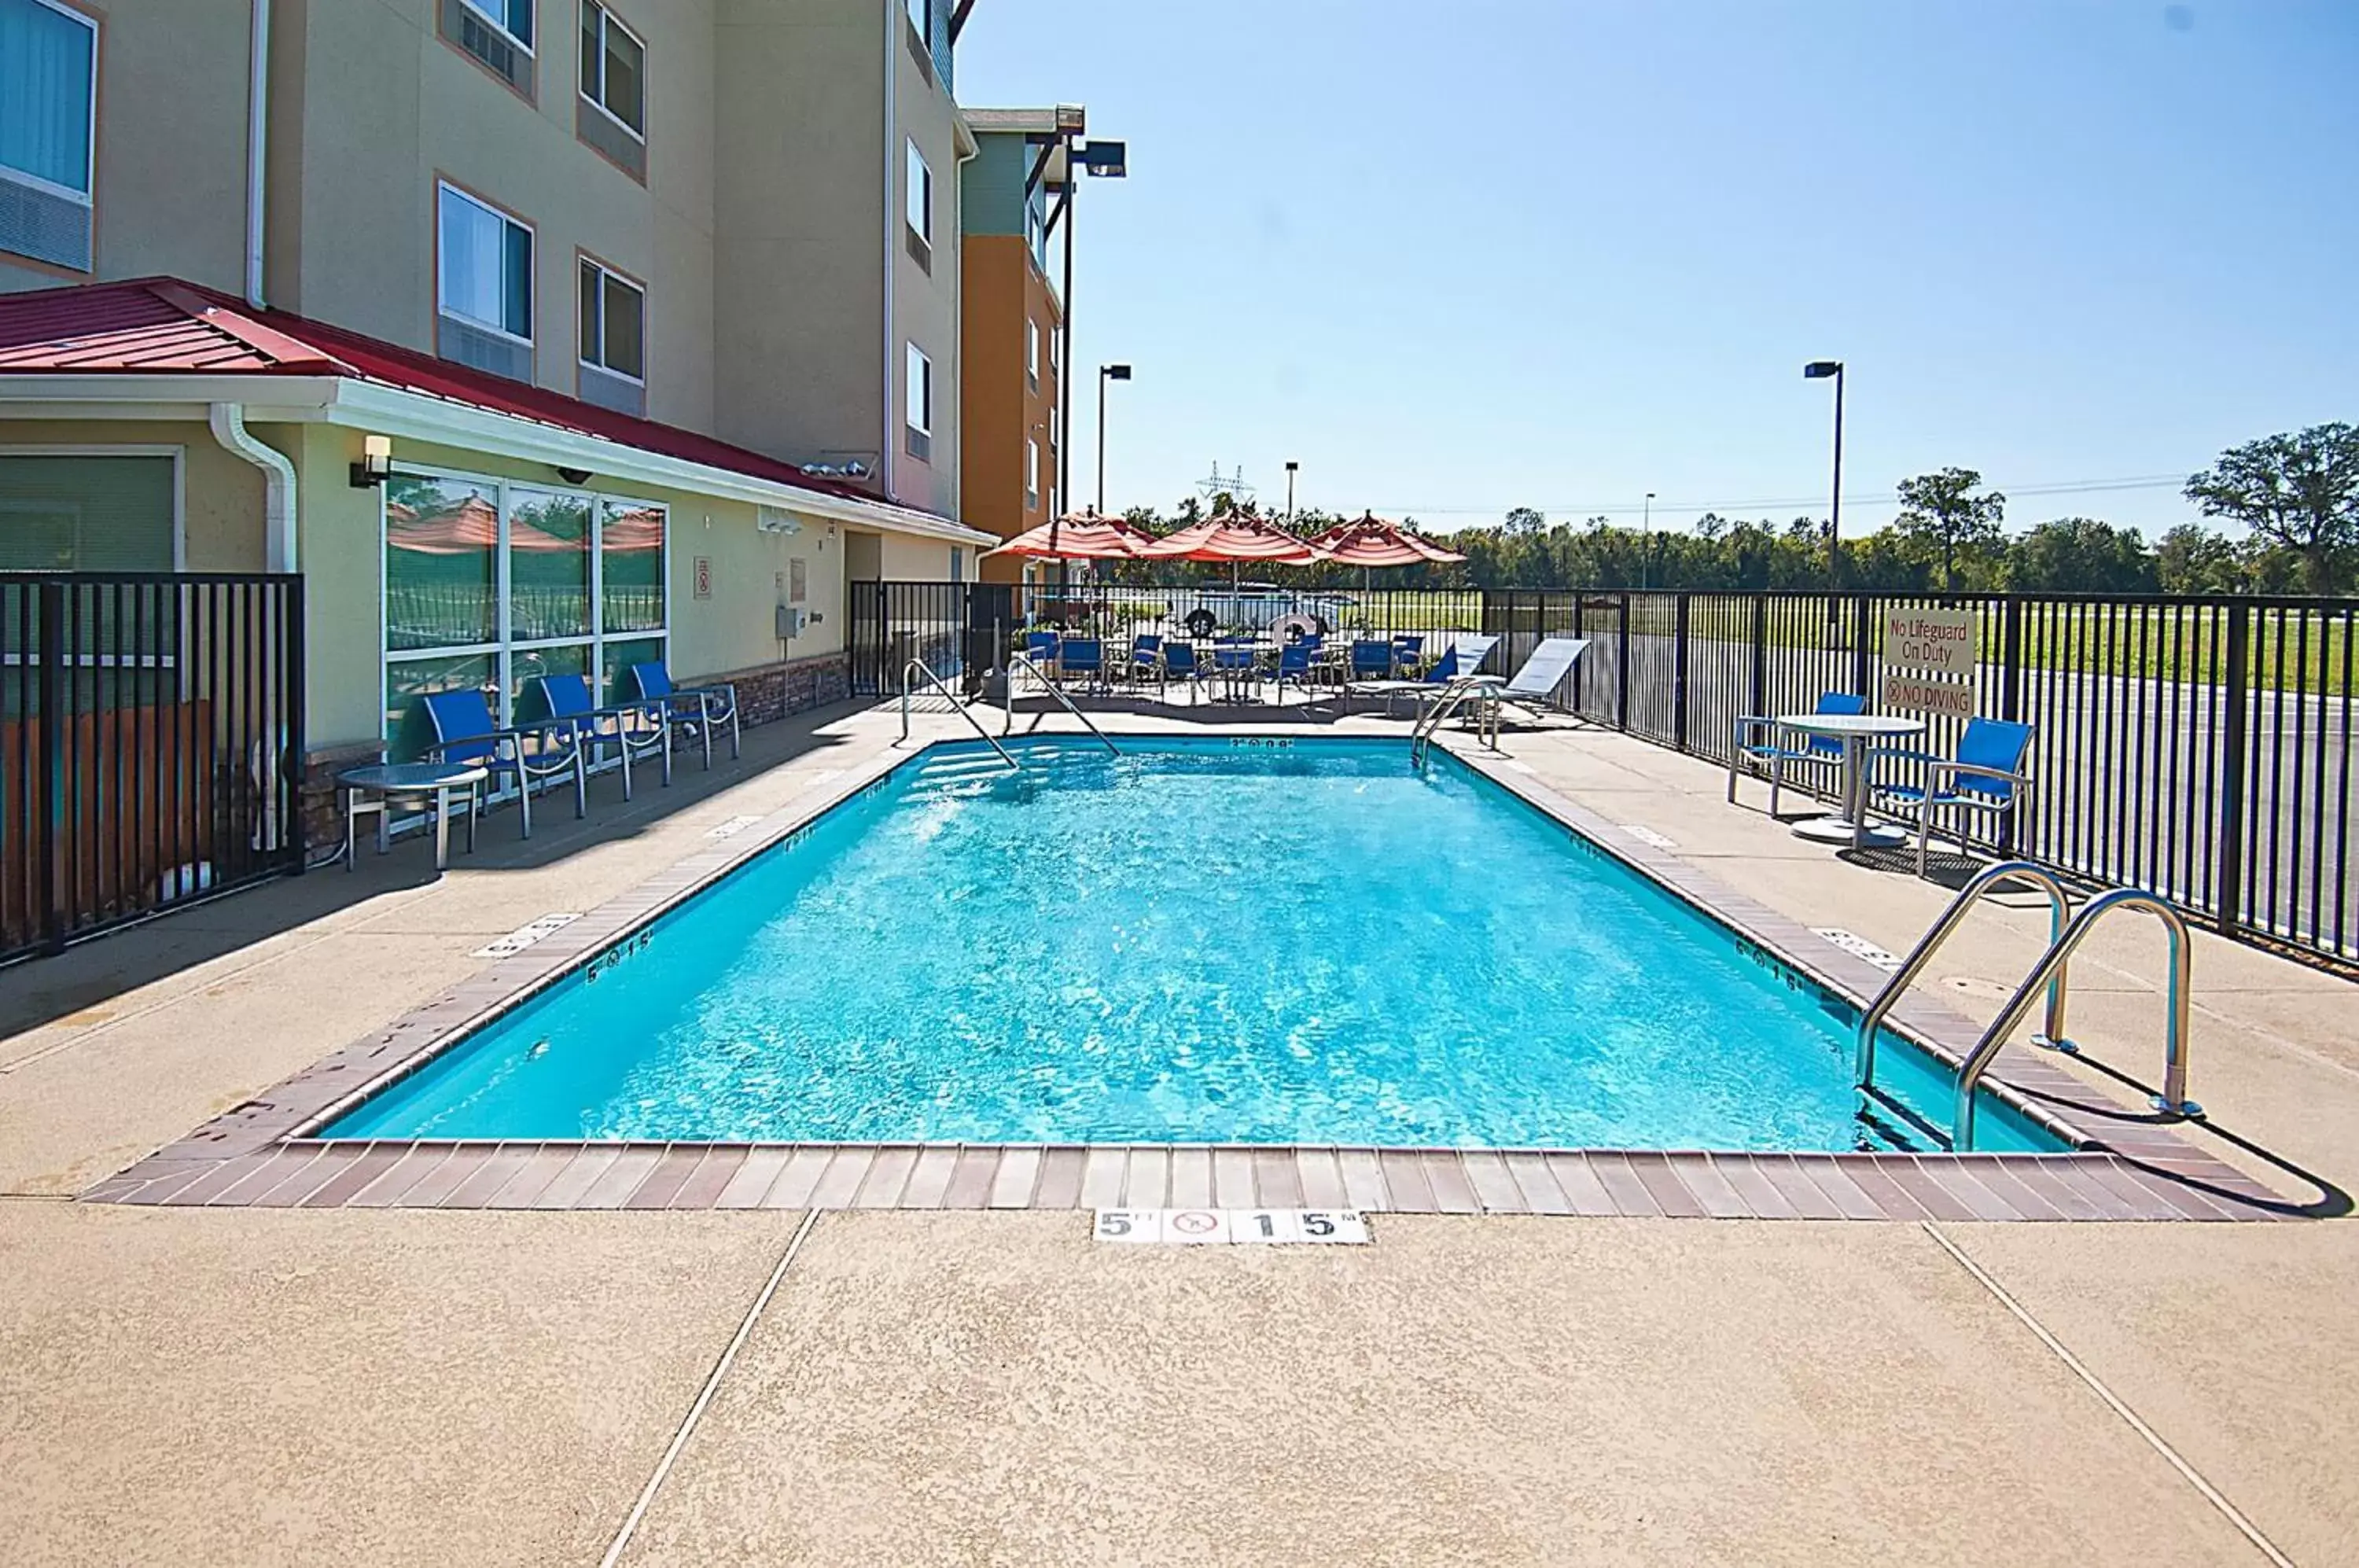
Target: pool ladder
point(2066, 933)
point(918, 667)
point(1453, 697)
point(1023, 661)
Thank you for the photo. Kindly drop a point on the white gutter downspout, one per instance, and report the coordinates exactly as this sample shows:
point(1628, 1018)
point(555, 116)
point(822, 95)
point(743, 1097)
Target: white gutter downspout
point(893, 25)
point(228, 422)
point(258, 146)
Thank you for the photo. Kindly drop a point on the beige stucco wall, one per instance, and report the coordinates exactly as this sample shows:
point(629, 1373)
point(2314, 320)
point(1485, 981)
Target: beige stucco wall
point(379, 108)
point(170, 188)
point(926, 306)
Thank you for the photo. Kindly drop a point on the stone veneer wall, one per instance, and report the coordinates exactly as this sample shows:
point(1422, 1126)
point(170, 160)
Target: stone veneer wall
point(764, 693)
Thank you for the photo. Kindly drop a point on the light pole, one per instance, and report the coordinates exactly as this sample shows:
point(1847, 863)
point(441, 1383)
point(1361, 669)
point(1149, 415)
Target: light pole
point(1819, 370)
point(1646, 557)
point(1290, 467)
point(1105, 373)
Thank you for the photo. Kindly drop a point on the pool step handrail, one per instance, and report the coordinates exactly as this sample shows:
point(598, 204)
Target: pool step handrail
point(1453, 697)
point(1023, 661)
point(2059, 911)
point(2173, 1100)
point(919, 667)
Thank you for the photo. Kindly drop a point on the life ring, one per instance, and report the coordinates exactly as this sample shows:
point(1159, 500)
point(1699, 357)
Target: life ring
point(1293, 629)
point(1201, 622)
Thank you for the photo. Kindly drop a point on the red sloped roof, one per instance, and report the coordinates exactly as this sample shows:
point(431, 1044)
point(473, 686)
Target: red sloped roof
point(154, 326)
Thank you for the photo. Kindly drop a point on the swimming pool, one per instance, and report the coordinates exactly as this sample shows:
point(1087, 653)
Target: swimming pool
point(1238, 941)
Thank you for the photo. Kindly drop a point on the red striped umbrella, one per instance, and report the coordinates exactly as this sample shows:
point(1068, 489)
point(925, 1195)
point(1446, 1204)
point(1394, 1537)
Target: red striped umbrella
point(1372, 541)
point(1233, 536)
point(1080, 535)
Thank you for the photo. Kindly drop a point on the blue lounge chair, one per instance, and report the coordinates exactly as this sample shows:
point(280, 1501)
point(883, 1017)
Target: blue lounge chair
point(1987, 775)
point(1462, 657)
point(1179, 664)
point(464, 731)
point(1144, 648)
point(1756, 745)
point(603, 730)
point(698, 710)
point(1533, 688)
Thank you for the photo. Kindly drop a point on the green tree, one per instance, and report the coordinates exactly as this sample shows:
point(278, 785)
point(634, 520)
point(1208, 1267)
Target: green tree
point(2300, 491)
point(2081, 555)
point(1940, 512)
point(2192, 558)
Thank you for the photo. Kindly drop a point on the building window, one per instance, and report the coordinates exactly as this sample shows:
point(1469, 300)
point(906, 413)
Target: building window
point(89, 511)
point(919, 209)
point(614, 340)
point(919, 438)
point(1036, 237)
point(614, 68)
point(1031, 474)
point(49, 79)
point(512, 18)
point(484, 286)
point(1055, 366)
point(921, 37)
point(1032, 353)
point(488, 585)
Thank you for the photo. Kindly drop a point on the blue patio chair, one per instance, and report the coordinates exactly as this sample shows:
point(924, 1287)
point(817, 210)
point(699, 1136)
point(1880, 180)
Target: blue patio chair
point(1757, 745)
point(1372, 660)
point(1409, 650)
point(464, 731)
point(1081, 658)
point(608, 729)
point(1179, 664)
point(697, 710)
point(1462, 659)
point(1040, 648)
point(1297, 664)
point(1987, 775)
point(1145, 660)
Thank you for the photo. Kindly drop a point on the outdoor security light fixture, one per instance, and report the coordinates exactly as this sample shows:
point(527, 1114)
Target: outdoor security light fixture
point(1116, 372)
point(1107, 160)
point(375, 465)
point(1819, 369)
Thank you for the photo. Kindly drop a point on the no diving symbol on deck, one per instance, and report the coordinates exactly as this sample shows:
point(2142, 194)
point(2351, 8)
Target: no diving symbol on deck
point(1195, 1222)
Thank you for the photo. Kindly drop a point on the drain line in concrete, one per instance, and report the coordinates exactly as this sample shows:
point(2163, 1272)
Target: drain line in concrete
point(2114, 1402)
point(704, 1396)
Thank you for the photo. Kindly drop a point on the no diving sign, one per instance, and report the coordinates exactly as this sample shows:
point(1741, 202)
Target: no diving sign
point(1237, 1227)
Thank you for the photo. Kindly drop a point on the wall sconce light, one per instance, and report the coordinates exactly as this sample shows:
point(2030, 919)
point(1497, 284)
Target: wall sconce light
point(375, 465)
point(574, 475)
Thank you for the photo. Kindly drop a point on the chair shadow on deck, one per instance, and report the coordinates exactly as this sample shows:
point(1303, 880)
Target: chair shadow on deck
point(44, 989)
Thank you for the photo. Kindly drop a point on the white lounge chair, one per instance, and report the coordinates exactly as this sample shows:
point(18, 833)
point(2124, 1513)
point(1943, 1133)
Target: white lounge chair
point(1533, 687)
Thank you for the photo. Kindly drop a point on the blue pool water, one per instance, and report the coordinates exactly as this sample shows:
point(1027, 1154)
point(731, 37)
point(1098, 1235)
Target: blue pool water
point(1200, 940)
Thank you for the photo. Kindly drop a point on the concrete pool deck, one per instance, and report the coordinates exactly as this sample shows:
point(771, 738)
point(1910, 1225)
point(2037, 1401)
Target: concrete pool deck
point(404, 1385)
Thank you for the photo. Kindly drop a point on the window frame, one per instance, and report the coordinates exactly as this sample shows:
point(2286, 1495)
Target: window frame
point(502, 28)
point(1032, 353)
point(608, 20)
point(504, 644)
point(1031, 474)
point(178, 454)
point(582, 260)
point(443, 183)
point(918, 391)
point(918, 177)
point(31, 182)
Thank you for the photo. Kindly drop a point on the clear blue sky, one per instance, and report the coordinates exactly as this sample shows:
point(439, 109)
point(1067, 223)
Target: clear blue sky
point(1460, 257)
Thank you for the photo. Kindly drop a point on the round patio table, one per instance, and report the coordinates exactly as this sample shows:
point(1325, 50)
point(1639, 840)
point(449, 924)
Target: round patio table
point(1855, 731)
point(421, 779)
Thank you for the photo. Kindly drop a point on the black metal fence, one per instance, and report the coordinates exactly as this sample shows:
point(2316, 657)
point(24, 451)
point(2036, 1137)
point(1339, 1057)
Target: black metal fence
point(151, 744)
point(2200, 747)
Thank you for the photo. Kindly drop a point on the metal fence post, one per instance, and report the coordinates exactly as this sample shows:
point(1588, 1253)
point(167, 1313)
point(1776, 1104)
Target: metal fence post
point(1679, 674)
point(1861, 619)
point(2236, 686)
point(49, 822)
point(1758, 703)
point(294, 679)
point(1622, 671)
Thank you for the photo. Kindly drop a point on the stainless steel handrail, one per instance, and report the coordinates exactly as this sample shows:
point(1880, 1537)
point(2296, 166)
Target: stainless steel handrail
point(2060, 910)
point(1023, 661)
point(935, 681)
point(1429, 724)
point(2173, 1100)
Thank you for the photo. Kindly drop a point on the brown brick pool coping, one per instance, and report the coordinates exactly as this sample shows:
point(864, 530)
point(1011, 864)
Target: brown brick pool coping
point(2126, 1166)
